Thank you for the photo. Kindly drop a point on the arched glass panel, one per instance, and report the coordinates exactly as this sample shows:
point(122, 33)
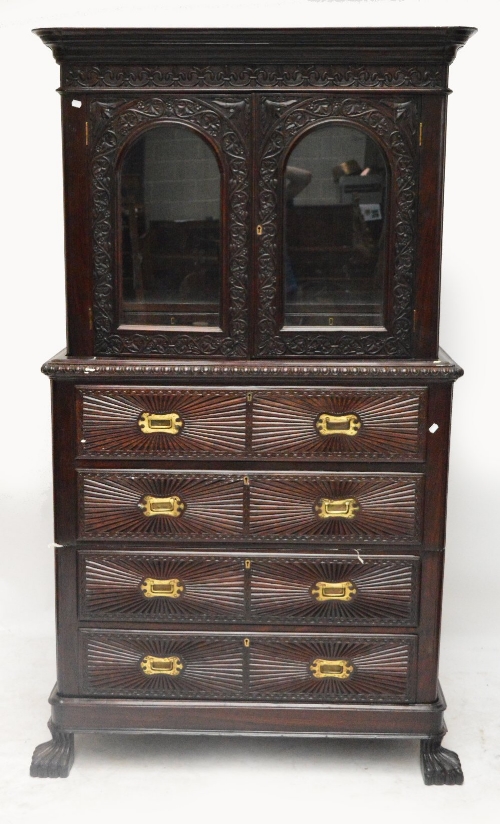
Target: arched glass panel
point(170, 229)
point(335, 230)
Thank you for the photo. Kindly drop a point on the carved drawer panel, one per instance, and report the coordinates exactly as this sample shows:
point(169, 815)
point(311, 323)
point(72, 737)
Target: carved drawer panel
point(160, 506)
point(142, 422)
point(152, 587)
point(340, 424)
point(159, 664)
point(344, 590)
point(332, 668)
point(382, 508)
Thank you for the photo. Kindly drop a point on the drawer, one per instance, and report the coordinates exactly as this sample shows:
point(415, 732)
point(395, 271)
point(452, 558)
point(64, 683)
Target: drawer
point(340, 591)
point(170, 506)
point(332, 668)
point(267, 666)
point(147, 422)
point(160, 506)
point(341, 424)
point(159, 664)
point(346, 508)
point(152, 587)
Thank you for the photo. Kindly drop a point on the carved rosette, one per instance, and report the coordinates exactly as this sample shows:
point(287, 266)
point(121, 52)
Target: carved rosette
point(225, 124)
point(394, 123)
point(77, 77)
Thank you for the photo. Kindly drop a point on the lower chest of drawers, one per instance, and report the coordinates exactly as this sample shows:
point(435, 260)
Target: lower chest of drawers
point(242, 544)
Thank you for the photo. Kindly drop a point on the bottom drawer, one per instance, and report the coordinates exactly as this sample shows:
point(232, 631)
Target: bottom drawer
point(263, 666)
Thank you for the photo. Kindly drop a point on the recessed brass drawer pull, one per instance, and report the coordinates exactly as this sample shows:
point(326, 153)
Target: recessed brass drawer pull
point(170, 507)
point(151, 665)
point(338, 424)
point(161, 588)
point(325, 591)
point(169, 423)
point(323, 668)
point(344, 508)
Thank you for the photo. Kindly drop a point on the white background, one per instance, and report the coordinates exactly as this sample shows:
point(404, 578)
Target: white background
point(244, 780)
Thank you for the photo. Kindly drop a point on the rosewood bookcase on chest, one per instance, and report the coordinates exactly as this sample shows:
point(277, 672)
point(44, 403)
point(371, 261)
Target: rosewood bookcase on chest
point(251, 420)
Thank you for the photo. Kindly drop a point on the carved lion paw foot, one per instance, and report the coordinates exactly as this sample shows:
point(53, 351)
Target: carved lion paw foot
point(439, 766)
point(54, 758)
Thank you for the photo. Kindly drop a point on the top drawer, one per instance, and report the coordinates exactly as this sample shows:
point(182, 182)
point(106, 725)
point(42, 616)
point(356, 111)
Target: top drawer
point(339, 424)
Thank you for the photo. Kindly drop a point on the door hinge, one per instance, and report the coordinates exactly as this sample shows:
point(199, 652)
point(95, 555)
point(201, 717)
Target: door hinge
point(86, 132)
point(420, 132)
point(91, 319)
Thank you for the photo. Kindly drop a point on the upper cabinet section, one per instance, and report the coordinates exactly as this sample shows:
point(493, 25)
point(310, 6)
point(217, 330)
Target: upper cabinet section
point(254, 193)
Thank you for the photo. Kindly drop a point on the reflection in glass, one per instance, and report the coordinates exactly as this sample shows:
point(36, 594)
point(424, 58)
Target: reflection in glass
point(170, 212)
point(335, 226)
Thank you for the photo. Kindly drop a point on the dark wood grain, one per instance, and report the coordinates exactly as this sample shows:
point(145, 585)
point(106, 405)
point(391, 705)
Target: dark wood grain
point(249, 551)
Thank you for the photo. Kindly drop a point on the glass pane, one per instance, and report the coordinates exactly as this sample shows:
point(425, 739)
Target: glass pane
point(335, 226)
point(170, 207)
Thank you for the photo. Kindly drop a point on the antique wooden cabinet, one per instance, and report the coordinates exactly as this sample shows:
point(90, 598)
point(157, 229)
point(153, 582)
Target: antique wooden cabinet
point(251, 421)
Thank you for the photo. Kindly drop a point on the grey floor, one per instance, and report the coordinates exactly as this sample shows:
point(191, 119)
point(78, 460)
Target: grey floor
point(187, 779)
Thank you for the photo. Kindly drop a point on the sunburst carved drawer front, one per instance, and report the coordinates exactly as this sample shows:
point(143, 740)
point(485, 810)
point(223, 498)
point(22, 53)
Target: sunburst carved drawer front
point(160, 506)
point(382, 508)
point(159, 664)
point(340, 424)
point(152, 587)
point(338, 591)
point(147, 422)
point(332, 668)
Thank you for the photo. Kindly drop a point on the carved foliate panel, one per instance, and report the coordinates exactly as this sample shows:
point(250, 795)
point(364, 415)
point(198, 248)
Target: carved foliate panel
point(377, 668)
point(225, 123)
point(340, 591)
point(389, 425)
point(298, 76)
point(160, 506)
point(394, 123)
point(384, 508)
point(113, 421)
point(145, 587)
point(205, 666)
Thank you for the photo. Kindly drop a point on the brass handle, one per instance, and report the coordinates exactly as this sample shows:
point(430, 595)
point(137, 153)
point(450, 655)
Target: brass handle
point(161, 588)
point(345, 508)
point(338, 424)
point(170, 507)
point(323, 668)
point(151, 665)
point(169, 423)
point(334, 592)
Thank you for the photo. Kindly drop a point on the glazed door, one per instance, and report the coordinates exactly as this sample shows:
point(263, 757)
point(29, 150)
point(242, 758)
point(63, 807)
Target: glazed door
point(335, 234)
point(171, 205)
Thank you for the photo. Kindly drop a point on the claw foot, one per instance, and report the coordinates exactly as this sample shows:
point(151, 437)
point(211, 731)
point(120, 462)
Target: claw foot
point(439, 766)
point(54, 758)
